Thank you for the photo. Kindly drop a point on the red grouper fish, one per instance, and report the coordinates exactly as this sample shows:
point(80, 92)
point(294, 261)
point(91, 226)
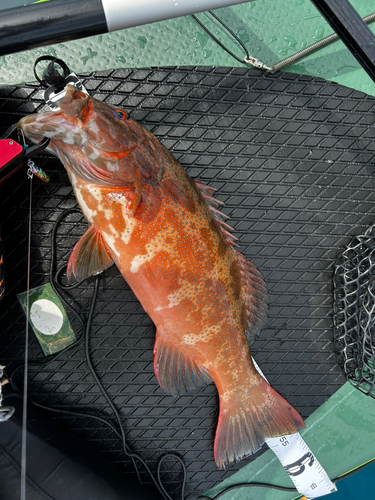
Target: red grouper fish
point(169, 240)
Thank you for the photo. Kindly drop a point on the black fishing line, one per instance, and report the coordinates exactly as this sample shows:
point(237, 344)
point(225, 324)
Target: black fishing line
point(247, 485)
point(236, 38)
point(85, 334)
point(284, 62)
point(280, 488)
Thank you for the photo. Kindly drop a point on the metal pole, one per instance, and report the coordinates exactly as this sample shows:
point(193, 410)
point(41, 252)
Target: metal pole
point(356, 35)
point(46, 23)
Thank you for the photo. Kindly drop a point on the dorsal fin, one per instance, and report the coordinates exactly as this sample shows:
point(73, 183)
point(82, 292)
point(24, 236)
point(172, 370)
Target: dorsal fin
point(254, 290)
point(254, 298)
point(213, 204)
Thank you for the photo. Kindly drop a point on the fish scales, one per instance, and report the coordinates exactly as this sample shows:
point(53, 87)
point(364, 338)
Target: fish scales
point(170, 242)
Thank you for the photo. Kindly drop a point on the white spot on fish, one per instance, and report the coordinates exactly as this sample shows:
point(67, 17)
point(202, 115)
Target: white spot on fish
point(113, 230)
point(69, 137)
point(186, 290)
point(130, 226)
point(112, 166)
point(153, 247)
point(206, 335)
point(137, 262)
point(190, 339)
point(87, 212)
point(61, 134)
point(94, 127)
point(107, 212)
point(35, 126)
point(97, 194)
point(111, 242)
point(93, 156)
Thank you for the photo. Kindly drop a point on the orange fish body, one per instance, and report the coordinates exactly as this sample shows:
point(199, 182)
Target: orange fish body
point(171, 244)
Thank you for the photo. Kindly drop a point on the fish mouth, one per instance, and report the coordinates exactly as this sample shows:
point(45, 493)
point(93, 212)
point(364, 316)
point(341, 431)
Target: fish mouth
point(36, 125)
point(24, 131)
point(40, 118)
point(52, 125)
point(74, 101)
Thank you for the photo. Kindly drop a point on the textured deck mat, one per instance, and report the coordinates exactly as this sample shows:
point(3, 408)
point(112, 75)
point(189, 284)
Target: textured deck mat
point(292, 157)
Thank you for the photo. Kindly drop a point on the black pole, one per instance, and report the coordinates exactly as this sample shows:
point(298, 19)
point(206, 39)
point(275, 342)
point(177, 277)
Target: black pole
point(356, 35)
point(24, 28)
point(57, 21)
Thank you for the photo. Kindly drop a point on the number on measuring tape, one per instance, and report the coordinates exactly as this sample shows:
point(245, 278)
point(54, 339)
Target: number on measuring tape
point(298, 467)
point(284, 441)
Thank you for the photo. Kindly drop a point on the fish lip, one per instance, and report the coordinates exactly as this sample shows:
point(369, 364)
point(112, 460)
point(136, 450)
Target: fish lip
point(22, 130)
point(40, 119)
point(26, 120)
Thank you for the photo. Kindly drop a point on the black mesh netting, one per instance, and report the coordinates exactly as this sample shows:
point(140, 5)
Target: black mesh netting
point(292, 157)
point(354, 309)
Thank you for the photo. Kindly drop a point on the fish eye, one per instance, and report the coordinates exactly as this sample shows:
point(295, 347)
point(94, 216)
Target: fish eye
point(121, 115)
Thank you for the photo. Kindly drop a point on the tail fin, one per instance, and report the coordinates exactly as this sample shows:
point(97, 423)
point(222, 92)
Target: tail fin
point(243, 427)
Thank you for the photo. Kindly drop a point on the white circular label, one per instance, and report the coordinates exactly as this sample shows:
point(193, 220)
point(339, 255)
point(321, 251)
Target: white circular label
point(46, 316)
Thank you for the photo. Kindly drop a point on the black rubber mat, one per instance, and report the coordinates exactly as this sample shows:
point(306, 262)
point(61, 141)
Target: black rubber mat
point(292, 157)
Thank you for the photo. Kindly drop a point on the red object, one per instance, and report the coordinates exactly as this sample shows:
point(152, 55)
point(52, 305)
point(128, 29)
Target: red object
point(9, 150)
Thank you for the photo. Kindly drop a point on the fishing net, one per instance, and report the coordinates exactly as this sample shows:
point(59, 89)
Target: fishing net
point(354, 311)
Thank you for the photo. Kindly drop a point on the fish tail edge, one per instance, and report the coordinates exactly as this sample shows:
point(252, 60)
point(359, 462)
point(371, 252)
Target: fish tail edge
point(243, 428)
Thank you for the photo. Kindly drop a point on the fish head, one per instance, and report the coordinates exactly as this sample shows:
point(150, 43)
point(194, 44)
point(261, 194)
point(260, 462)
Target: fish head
point(98, 142)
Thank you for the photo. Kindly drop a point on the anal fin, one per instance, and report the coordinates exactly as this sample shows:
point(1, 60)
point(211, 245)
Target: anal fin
point(90, 256)
point(177, 373)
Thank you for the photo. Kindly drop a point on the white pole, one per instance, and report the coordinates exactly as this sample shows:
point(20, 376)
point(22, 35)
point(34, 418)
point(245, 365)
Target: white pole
point(121, 14)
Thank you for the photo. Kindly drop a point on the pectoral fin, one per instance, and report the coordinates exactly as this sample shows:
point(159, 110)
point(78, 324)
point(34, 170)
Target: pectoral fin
point(90, 256)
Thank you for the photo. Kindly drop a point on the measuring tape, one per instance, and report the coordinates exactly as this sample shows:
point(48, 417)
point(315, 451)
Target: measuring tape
point(303, 468)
